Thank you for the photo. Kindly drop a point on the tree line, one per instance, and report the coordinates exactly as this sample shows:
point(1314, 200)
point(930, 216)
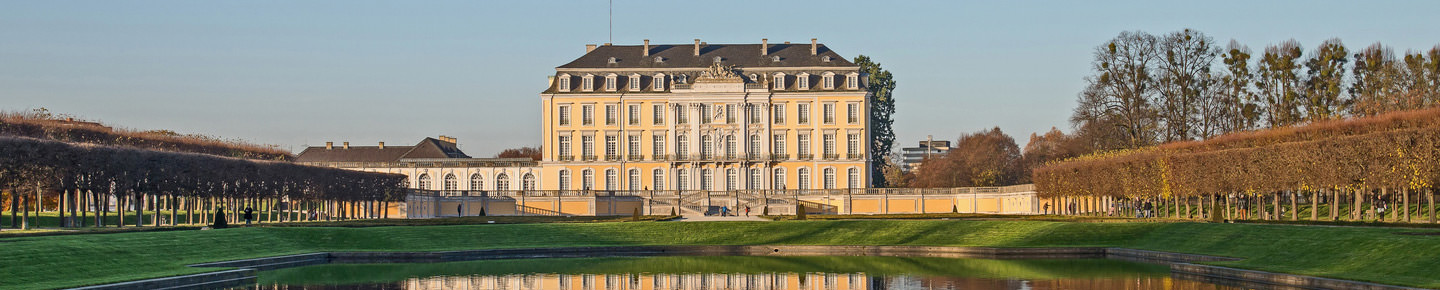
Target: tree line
point(86, 178)
point(42, 124)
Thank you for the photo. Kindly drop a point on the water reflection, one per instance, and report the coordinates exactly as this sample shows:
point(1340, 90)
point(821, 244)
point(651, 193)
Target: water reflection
point(706, 273)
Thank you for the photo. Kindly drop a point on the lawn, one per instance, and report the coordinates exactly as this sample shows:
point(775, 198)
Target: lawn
point(1359, 253)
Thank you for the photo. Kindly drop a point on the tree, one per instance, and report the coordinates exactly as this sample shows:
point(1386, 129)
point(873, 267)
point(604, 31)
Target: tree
point(1238, 103)
point(1325, 80)
point(985, 158)
point(1052, 146)
point(880, 84)
point(533, 153)
point(1279, 83)
point(1184, 82)
point(1422, 76)
point(1121, 90)
point(1377, 84)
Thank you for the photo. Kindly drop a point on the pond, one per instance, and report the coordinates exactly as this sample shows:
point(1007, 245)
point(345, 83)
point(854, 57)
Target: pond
point(737, 272)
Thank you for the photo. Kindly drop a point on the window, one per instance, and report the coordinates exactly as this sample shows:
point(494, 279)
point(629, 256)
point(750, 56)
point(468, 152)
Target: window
point(565, 146)
point(778, 179)
point(777, 112)
point(452, 183)
point(754, 145)
point(527, 182)
point(829, 144)
point(611, 142)
point(730, 147)
point(853, 178)
point(730, 114)
point(706, 178)
point(424, 181)
point(804, 113)
point(564, 179)
point(852, 144)
point(779, 81)
point(611, 114)
point(658, 83)
point(659, 114)
point(587, 146)
point(707, 147)
point(657, 179)
point(779, 144)
point(587, 83)
point(612, 179)
point(682, 179)
point(587, 179)
point(804, 174)
point(852, 81)
point(755, 112)
point(802, 81)
point(802, 140)
point(634, 82)
point(634, 114)
point(634, 179)
point(564, 115)
point(502, 182)
point(681, 116)
point(564, 83)
point(634, 146)
point(829, 174)
point(829, 111)
point(657, 146)
point(477, 182)
point(852, 111)
point(828, 81)
point(682, 145)
point(755, 178)
point(705, 117)
point(610, 83)
point(587, 115)
point(732, 177)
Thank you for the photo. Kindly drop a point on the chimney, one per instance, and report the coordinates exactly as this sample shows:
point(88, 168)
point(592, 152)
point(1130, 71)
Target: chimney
point(589, 48)
point(346, 145)
point(329, 145)
point(607, 44)
point(382, 145)
point(813, 47)
point(697, 47)
point(647, 48)
point(764, 46)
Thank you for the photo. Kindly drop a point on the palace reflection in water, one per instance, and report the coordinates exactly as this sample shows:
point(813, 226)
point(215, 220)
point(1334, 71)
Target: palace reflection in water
point(766, 281)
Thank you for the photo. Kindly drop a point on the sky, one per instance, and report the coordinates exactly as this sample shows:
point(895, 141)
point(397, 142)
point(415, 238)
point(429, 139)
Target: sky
point(298, 73)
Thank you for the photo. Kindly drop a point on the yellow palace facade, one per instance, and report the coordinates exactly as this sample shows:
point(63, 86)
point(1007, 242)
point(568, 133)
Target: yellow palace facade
point(706, 117)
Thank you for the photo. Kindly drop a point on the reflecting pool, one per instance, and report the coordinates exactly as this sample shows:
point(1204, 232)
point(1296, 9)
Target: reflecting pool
point(738, 272)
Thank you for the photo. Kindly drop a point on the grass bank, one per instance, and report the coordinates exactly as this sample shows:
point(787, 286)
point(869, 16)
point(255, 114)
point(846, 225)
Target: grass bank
point(1357, 253)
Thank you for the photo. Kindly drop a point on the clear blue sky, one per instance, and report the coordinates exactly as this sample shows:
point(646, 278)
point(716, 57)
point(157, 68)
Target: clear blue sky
point(296, 73)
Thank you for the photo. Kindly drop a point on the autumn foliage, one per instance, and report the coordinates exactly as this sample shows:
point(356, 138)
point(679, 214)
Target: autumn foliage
point(533, 153)
point(41, 125)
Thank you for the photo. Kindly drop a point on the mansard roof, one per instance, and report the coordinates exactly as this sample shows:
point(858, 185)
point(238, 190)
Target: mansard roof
point(675, 56)
point(427, 148)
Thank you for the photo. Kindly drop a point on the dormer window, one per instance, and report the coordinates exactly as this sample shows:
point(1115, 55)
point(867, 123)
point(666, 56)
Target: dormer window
point(802, 81)
point(754, 78)
point(658, 83)
point(828, 81)
point(852, 81)
point(587, 83)
point(613, 61)
point(564, 83)
point(775, 58)
point(718, 59)
point(780, 81)
point(634, 82)
point(610, 82)
point(823, 59)
point(659, 59)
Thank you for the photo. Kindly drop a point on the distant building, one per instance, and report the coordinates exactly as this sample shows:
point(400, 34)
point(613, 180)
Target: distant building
point(912, 157)
point(432, 164)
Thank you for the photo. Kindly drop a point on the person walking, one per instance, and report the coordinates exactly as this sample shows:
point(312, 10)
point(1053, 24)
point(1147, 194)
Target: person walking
point(249, 215)
point(747, 211)
point(460, 210)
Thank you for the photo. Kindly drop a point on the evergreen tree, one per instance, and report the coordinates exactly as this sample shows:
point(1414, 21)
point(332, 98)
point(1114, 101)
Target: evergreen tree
point(882, 109)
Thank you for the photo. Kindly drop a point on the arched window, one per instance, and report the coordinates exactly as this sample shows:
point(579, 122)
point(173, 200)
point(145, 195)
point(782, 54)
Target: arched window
point(527, 182)
point(731, 179)
point(706, 177)
point(755, 178)
point(564, 83)
point(611, 179)
point(682, 180)
point(804, 173)
point(587, 179)
point(477, 182)
point(829, 174)
point(658, 83)
point(502, 182)
point(451, 183)
point(657, 179)
point(564, 179)
point(778, 179)
point(424, 181)
point(634, 179)
point(853, 176)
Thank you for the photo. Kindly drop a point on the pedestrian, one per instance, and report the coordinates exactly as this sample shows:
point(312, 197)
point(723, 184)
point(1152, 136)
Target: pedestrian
point(747, 211)
point(1047, 208)
point(460, 210)
point(249, 215)
point(724, 210)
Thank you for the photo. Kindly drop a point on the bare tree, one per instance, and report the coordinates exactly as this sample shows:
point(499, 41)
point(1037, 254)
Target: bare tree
point(1121, 91)
point(1325, 80)
point(1184, 82)
point(1279, 83)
